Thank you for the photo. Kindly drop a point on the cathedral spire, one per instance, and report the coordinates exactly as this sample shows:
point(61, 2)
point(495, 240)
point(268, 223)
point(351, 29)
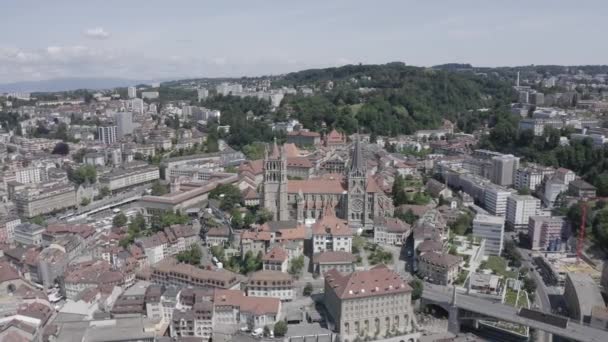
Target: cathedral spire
point(357, 162)
point(275, 149)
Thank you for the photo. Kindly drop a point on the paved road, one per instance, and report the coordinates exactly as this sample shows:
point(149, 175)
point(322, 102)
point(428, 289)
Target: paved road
point(542, 296)
point(574, 330)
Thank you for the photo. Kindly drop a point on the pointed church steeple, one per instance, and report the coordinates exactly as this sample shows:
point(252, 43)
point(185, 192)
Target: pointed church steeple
point(357, 161)
point(275, 149)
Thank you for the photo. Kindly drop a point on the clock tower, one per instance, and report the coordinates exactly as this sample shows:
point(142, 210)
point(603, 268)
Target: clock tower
point(357, 188)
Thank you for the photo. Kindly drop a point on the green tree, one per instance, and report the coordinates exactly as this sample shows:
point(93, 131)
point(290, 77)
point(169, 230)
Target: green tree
point(159, 189)
point(524, 191)
point(307, 290)
point(463, 224)
point(254, 150)
point(296, 265)
point(61, 148)
point(263, 215)
point(407, 216)
point(228, 195)
point(85, 173)
point(191, 256)
point(85, 201)
point(39, 220)
point(417, 286)
point(280, 329)
point(119, 220)
point(104, 191)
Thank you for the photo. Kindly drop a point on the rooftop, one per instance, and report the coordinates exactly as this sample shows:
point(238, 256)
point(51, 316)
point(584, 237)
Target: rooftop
point(379, 280)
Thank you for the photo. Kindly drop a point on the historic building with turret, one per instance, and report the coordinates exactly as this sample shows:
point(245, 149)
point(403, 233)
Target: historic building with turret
point(354, 195)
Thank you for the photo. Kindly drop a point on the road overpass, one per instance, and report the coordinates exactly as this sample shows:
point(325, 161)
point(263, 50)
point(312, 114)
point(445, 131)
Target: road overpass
point(444, 297)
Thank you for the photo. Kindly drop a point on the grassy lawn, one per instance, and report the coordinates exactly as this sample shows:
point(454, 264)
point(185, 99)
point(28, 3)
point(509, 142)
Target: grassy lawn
point(511, 298)
point(498, 266)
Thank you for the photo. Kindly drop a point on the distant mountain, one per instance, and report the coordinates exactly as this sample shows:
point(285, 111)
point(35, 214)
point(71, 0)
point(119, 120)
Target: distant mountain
point(63, 84)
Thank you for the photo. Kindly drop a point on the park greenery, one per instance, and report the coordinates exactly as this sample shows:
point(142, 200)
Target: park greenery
point(83, 174)
point(228, 195)
point(296, 266)
point(190, 256)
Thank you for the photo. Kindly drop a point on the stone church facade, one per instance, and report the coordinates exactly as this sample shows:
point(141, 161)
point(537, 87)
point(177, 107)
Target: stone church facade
point(355, 196)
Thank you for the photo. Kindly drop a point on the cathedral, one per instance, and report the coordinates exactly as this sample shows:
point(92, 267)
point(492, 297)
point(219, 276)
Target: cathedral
point(354, 195)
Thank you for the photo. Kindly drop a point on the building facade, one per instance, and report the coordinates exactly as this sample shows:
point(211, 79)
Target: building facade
point(492, 229)
point(368, 303)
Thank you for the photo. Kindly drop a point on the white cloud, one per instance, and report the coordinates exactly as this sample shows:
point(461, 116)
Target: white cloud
point(97, 33)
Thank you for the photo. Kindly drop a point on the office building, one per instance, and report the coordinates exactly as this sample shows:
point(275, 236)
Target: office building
point(503, 169)
point(546, 233)
point(107, 134)
point(439, 268)
point(275, 284)
point(132, 92)
point(370, 303)
point(495, 199)
point(581, 295)
point(29, 175)
point(124, 123)
point(202, 94)
point(492, 229)
point(120, 178)
point(137, 106)
point(32, 202)
point(28, 234)
point(531, 177)
point(149, 95)
point(519, 210)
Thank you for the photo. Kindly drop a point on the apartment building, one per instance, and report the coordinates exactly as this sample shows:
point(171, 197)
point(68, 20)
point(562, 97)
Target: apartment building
point(126, 177)
point(276, 259)
point(547, 233)
point(28, 234)
point(170, 272)
point(390, 231)
point(232, 308)
point(519, 210)
point(171, 241)
point(266, 283)
point(439, 268)
point(331, 234)
point(32, 202)
point(495, 200)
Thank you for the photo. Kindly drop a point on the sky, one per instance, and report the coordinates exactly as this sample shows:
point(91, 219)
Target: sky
point(160, 39)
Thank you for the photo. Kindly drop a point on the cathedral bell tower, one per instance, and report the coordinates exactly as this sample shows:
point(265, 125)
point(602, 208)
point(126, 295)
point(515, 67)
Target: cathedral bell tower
point(357, 188)
point(275, 183)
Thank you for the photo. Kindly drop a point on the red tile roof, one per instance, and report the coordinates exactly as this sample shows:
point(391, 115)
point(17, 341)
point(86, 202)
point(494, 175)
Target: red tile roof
point(275, 254)
point(379, 280)
point(255, 305)
point(333, 257)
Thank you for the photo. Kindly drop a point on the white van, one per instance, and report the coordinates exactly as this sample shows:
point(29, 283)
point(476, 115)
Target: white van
point(257, 332)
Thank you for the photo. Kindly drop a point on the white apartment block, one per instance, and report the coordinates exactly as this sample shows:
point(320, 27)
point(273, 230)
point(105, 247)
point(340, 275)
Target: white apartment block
point(107, 134)
point(275, 284)
point(495, 200)
point(44, 200)
point(119, 179)
point(124, 123)
point(28, 175)
point(492, 229)
point(28, 234)
point(531, 177)
point(132, 92)
point(519, 210)
point(137, 106)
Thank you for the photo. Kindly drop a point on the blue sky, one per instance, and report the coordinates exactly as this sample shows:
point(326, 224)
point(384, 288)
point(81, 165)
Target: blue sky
point(196, 38)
